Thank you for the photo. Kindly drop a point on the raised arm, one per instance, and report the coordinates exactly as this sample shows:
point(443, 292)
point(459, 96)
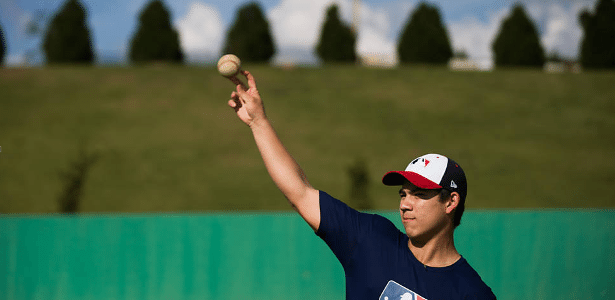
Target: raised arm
point(282, 168)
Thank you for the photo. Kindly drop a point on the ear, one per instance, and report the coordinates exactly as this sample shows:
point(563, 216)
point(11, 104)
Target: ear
point(452, 202)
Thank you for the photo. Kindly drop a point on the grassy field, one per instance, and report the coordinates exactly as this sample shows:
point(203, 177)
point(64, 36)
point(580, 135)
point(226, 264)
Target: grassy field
point(167, 141)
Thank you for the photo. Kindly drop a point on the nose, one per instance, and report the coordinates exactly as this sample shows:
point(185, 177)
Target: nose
point(406, 203)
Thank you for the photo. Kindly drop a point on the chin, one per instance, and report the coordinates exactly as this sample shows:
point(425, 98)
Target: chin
point(411, 233)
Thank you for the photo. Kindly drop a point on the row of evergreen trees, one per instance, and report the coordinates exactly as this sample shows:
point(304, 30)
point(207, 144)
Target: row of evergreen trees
point(423, 40)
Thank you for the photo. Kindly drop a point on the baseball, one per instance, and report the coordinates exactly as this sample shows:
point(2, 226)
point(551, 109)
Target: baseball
point(229, 65)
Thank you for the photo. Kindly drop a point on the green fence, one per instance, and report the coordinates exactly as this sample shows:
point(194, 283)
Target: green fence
point(562, 254)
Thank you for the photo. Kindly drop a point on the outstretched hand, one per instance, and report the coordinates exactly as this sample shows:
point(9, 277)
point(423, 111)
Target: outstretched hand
point(246, 101)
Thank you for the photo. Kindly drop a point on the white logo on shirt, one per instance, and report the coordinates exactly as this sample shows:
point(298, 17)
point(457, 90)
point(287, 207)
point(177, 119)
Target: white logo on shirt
point(407, 296)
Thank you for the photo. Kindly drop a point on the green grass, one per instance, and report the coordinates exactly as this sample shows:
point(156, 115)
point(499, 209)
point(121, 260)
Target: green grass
point(168, 142)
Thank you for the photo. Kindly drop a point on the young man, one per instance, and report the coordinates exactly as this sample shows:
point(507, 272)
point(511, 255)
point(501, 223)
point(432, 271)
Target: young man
point(378, 259)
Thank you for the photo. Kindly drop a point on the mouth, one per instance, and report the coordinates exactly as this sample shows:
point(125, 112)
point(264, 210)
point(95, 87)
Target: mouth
point(407, 219)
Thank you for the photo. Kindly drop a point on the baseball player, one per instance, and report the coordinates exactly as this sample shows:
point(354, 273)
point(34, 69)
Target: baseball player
point(379, 261)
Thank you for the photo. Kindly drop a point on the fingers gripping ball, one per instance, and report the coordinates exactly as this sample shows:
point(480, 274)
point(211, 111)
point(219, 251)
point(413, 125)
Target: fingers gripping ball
point(229, 65)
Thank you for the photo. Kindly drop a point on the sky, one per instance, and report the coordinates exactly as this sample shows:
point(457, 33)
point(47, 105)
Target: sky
point(295, 25)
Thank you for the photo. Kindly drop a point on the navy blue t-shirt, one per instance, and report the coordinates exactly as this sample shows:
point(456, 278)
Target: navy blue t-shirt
point(373, 252)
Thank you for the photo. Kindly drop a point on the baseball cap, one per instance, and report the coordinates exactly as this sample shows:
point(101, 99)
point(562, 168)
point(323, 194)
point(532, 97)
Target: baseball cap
point(431, 171)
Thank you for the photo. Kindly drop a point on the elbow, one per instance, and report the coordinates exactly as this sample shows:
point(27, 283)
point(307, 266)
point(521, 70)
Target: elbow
point(298, 198)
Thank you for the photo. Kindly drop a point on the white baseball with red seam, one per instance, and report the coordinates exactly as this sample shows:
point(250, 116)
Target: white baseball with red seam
point(229, 65)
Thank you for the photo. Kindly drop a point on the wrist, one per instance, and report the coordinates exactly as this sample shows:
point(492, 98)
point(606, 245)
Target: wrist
point(258, 123)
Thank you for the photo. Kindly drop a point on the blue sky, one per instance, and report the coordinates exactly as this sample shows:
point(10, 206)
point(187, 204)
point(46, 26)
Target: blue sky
point(295, 24)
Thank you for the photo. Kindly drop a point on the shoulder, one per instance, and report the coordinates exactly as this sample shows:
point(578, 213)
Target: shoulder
point(338, 219)
point(335, 213)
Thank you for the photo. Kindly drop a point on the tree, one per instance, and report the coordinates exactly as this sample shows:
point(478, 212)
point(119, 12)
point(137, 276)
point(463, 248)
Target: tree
point(155, 39)
point(68, 39)
point(249, 37)
point(424, 39)
point(337, 41)
point(517, 43)
point(598, 44)
point(2, 46)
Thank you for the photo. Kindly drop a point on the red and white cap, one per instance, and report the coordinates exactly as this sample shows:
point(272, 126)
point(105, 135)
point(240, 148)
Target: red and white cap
point(431, 171)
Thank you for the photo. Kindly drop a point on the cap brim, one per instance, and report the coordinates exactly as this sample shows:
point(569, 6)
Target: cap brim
point(399, 177)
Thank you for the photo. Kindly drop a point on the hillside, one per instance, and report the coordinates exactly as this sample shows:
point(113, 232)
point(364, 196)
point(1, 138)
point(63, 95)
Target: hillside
point(165, 140)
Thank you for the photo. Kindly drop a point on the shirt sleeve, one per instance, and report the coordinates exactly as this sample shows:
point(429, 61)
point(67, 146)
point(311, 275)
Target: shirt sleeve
point(338, 227)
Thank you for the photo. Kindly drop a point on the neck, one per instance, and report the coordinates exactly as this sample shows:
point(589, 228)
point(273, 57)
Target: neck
point(437, 251)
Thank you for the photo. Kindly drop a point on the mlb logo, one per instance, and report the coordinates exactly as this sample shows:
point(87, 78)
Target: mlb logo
point(396, 291)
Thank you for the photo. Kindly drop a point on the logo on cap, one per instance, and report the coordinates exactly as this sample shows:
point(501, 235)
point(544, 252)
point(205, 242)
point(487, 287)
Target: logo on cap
point(453, 184)
point(421, 159)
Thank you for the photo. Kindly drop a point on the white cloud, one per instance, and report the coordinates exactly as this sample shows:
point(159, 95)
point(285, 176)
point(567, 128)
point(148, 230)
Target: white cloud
point(373, 39)
point(561, 30)
point(475, 37)
point(201, 32)
point(15, 60)
point(296, 23)
point(296, 26)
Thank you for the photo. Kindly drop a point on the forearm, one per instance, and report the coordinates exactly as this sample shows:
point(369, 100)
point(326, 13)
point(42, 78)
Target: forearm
point(282, 167)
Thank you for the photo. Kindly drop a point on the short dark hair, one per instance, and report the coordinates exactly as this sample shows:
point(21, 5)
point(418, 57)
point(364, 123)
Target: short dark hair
point(444, 195)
